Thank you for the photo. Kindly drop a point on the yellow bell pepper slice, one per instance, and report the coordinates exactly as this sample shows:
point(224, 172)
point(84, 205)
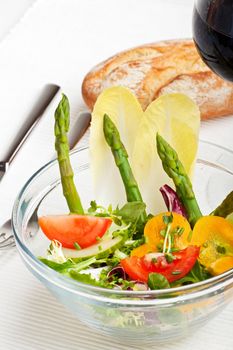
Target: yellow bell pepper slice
point(153, 237)
point(221, 265)
point(214, 235)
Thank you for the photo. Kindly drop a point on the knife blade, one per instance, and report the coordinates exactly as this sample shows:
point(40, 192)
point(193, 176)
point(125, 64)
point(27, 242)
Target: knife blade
point(51, 91)
point(79, 128)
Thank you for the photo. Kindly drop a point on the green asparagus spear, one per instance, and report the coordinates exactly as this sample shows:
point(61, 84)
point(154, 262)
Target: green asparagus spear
point(226, 207)
point(62, 121)
point(119, 152)
point(175, 170)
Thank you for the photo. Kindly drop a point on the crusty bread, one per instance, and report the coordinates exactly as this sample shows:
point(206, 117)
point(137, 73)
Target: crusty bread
point(164, 67)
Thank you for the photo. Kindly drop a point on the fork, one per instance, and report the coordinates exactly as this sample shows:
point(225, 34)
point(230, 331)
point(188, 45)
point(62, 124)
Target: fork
point(7, 240)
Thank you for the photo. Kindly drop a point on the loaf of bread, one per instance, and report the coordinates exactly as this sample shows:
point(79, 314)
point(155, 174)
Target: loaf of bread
point(164, 67)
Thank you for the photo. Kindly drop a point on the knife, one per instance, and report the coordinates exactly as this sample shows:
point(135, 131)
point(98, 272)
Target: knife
point(51, 91)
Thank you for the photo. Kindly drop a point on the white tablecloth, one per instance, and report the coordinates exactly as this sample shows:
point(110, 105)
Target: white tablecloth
point(59, 41)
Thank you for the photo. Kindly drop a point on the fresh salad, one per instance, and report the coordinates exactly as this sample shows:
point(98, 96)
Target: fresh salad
point(127, 246)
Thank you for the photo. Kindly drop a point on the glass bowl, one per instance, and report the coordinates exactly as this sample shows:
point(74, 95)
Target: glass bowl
point(134, 317)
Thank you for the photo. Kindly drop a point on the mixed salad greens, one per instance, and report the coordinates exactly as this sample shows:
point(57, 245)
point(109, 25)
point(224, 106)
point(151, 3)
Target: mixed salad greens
point(126, 247)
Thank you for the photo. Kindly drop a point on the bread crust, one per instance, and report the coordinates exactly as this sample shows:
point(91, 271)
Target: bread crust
point(164, 67)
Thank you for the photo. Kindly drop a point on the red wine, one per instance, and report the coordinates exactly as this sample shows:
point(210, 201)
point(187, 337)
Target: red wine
point(213, 35)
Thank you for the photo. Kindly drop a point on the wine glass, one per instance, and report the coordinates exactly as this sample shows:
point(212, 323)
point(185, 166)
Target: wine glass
point(213, 35)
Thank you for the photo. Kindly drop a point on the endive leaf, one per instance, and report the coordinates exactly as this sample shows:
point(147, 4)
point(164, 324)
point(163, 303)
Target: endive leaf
point(177, 118)
point(126, 112)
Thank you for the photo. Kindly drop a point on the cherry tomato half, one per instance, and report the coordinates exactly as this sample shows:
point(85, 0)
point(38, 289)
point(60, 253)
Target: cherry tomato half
point(140, 268)
point(71, 229)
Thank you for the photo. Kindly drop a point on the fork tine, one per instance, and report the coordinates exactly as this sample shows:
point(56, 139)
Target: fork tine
point(6, 246)
point(7, 242)
point(9, 238)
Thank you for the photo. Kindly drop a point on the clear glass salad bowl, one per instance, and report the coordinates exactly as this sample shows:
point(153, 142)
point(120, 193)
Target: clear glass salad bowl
point(136, 317)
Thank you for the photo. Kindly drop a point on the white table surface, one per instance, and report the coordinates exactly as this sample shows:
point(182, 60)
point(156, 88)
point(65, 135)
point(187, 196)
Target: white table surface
point(37, 47)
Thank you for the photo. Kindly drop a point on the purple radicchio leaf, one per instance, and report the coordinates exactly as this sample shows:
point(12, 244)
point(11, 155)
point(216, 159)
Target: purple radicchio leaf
point(119, 271)
point(172, 201)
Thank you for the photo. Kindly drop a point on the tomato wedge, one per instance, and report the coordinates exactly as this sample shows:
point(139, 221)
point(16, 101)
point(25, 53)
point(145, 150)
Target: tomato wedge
point(71, 229)
point(140, 268)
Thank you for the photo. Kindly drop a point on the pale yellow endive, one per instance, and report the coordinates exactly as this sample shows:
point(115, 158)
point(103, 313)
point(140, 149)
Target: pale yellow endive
point(175, 116)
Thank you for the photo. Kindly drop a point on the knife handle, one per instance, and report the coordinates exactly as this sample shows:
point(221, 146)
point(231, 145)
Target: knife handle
point(3, 168)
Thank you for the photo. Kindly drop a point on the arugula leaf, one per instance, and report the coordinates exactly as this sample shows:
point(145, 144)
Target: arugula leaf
point(157, 281)
point(119, 254)
point(131, 211)
point(99, 210)
point(84, 278)
point(57, 266)
point(199, 272)
point(69, 265)
point(128, 246)
point(88, 279)
point(129, 214)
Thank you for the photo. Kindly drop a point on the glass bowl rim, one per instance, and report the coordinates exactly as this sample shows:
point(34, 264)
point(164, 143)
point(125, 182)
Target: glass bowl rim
point(212, 284)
